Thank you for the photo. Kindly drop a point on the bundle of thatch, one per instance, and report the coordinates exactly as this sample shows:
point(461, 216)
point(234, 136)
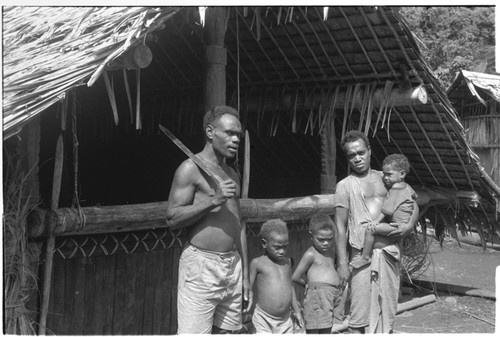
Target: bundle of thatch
point(20, 256)
point(77, 44)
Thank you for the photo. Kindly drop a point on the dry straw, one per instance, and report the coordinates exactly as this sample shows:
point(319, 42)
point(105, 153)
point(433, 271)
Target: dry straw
point(49, 50)
point(20, 255)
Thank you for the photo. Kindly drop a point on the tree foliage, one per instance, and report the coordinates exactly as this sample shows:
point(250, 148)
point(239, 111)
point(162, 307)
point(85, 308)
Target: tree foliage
point(454, 38)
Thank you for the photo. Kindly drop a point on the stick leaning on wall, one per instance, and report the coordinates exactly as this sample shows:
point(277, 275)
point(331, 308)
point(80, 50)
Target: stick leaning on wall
point(51, 239)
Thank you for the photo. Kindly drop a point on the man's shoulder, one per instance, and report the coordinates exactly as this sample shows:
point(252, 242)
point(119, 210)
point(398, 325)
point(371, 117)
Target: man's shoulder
point(346, 179)
point(344, 183)
point(188, 167)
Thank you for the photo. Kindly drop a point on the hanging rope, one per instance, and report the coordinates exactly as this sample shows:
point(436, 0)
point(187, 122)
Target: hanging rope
point(238, 59)
point(75, 152)
point(236, 162)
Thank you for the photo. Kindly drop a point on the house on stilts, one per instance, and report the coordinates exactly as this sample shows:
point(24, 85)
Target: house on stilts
point(87, 170)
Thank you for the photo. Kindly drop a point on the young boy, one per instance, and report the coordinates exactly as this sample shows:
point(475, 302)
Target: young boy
point(271, 274)
point(397, 208)
point(322, 283)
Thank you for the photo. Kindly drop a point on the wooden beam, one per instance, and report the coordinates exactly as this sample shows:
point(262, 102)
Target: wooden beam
point(127, 218)
point(397, 98)
point(215, 57)
point(137, 57)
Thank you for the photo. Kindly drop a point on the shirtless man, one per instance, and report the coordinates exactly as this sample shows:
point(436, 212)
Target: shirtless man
point(358, 200)
point(271, 278)
point(213, 269)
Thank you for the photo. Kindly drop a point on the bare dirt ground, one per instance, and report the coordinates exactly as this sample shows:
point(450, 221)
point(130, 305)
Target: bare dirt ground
point(467, 267)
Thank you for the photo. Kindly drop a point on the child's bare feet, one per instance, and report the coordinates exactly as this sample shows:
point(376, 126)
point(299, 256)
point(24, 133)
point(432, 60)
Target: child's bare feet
point(358, 263)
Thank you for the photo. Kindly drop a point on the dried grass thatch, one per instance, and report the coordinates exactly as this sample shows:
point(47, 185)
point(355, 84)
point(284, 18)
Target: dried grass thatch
point(20, 255)
point(476, 97)
point(77, 44)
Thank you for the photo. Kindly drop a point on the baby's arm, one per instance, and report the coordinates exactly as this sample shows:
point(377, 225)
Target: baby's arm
point(302, 268)
point(379, 218)
point(405, 228)
point(382, 229)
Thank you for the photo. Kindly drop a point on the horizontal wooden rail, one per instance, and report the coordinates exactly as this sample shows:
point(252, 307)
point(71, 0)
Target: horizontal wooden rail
point(126, 218)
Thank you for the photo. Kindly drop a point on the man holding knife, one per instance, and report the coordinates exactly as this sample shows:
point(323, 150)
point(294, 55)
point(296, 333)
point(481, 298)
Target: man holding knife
point(213, 273)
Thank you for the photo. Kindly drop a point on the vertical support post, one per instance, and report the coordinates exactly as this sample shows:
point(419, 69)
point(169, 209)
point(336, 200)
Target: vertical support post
point(215, 57)
point(328, 157)
point(246, 167)
point(51, 239)
point(328, 179)
point(30, 150)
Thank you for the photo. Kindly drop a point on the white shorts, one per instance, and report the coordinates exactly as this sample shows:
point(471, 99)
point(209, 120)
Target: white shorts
point(269, 324)
point(210, 291)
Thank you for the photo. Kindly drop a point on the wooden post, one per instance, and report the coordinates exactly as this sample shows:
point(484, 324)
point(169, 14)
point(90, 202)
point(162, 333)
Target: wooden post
point(51, 239)
point(246, 167)
point(215, 57)
point(328, 156)
point(30, 150)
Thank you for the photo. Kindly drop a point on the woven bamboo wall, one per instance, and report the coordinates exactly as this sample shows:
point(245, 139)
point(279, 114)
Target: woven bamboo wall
point(115, 284)
point(483, 134)
point(126, 284)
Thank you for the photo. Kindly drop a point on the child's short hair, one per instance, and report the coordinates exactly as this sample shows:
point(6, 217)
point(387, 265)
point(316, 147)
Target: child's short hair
point(277, 226)
point(319, 222)
point(398, 162)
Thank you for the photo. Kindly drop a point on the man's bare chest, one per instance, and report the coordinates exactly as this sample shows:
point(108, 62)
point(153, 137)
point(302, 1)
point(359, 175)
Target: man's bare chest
point(372, 187)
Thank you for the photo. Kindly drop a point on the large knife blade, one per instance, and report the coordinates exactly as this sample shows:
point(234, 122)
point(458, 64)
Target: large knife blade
point(199, 162)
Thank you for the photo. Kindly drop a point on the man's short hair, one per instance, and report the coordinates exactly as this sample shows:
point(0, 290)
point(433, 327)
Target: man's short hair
point(269, 227)
point(397, 161)
point(352, 136)
point(320, 222)
point(214, 114)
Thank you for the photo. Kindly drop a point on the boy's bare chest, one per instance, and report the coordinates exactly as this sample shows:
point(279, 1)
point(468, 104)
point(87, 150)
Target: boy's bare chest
point(277, 271)
point(322, 261)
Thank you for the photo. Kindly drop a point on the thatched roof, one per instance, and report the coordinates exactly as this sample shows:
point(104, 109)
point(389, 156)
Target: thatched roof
point(272, 53)
point(294, 50)
point(476, 97)
point(468, 85)
point(49, 50)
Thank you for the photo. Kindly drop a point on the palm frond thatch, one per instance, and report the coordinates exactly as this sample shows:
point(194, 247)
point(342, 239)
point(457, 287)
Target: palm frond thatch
point(77, 44)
